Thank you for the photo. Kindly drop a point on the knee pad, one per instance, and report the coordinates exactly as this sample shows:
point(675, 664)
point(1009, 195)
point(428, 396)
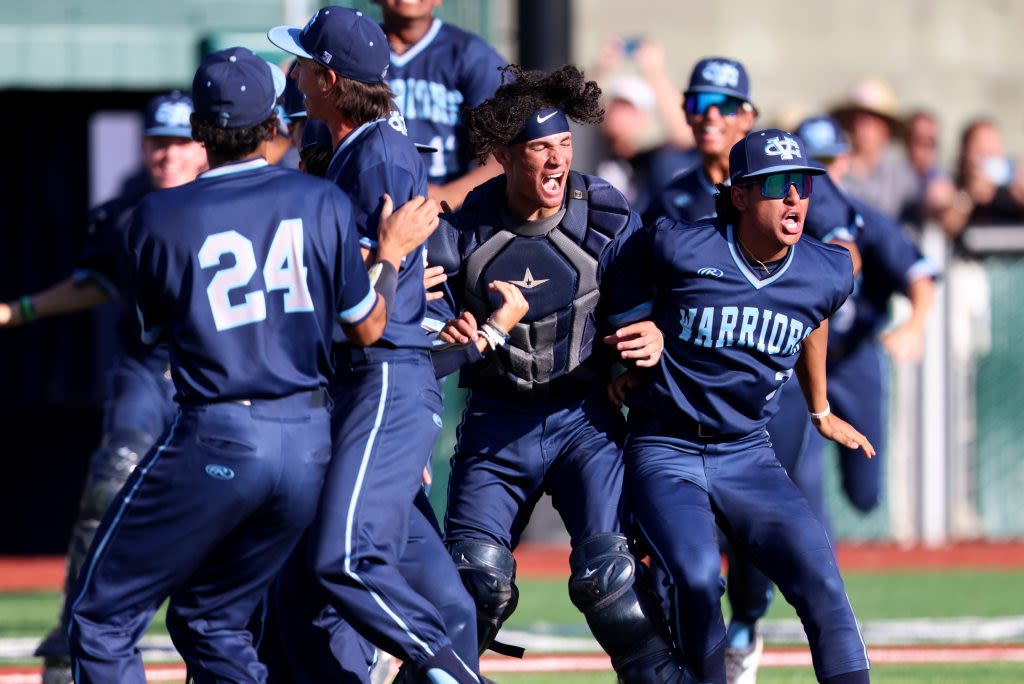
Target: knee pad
point(609, 587)
point(488, 571)
point(109, 468)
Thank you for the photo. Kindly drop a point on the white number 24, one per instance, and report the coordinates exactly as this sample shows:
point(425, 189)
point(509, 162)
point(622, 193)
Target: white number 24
point(283, 270)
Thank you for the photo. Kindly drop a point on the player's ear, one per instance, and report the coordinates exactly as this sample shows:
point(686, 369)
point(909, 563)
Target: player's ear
point(503, 155)
point(738, 196)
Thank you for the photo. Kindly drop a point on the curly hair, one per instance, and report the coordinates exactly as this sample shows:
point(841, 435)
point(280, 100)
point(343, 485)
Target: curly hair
point(498, 120)
point(233, 143)
point(724, 207)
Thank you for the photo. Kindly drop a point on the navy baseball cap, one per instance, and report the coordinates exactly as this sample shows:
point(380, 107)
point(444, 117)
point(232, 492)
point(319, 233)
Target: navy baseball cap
point(824, 137)
point(344, 40)
point(168, 116)
point(720, 75)
point(293, 101)
point(762, 153)
point(234, 88)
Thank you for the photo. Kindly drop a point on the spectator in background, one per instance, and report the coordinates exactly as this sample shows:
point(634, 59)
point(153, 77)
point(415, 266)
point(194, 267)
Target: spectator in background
point(637, 158)
point(877, 175)
point(990, 185)
point(935, 187)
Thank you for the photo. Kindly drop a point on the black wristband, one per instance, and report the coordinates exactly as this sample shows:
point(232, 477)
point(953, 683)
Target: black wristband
point(384, 278)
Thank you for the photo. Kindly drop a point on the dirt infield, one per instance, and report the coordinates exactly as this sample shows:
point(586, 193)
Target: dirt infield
point(46, 573)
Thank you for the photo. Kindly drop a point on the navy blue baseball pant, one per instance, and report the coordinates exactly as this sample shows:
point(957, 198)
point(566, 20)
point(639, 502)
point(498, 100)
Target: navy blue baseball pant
point(858, 393)
point(511, 451)
point(387, 418)
point(208, 518)
point(140, 396)
point(750, 592)
point(681, 486)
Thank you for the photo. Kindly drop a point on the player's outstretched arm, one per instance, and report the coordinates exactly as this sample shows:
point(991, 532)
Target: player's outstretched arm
point(640, 342)
point(67, 296)
point(454, 193)
point(854, 251)
point(810, 370)
point(906, 342)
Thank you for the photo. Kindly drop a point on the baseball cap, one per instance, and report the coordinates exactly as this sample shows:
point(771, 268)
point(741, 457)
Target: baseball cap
point(341, 39)
point(293, 101)
point(233, 88)
point(168, 115)
point(770, 151)
point(824, 137)
point(632, 89)
point(720, 75)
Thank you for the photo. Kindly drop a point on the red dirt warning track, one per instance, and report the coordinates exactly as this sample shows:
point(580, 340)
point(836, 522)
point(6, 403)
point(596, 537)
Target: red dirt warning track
point(46, 573)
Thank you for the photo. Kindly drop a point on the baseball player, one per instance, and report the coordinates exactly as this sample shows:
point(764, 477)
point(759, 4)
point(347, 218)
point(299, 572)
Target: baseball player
point(210, 515)
point(437, 72)
point(536, 420)
point(719, 110)
point(139, 403)
point(743, 303)
point(387, 401)
point(857, 376)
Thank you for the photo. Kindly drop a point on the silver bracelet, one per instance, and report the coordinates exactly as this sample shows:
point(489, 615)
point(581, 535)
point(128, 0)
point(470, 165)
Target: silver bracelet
point(822, 414)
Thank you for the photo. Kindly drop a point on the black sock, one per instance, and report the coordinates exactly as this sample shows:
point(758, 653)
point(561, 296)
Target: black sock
point(856, 677)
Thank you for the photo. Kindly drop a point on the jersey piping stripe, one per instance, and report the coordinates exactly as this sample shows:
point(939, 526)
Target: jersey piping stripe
point(352, 136)
point(350, 520)
point(85, 275)
point(101, 544)
point(745, 270)
point(361, 310)
point(410, 54)
point(148, 335)
point(239, 167)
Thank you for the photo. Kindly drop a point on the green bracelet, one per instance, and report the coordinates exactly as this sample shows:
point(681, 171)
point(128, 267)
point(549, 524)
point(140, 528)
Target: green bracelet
point(28, 309)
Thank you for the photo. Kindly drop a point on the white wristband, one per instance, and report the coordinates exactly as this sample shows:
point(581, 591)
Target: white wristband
point(493, 336)
point(822, 414)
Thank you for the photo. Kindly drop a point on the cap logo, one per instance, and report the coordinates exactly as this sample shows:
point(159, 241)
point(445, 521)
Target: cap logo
point(785, 148)
point(173, 114)
point(326, 57)
point(722, 74)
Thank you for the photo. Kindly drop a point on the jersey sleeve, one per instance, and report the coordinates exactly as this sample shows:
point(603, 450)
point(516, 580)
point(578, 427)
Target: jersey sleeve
point(480, 75)
point(626, 275)
point(830, 215)
point(97, 260)
point(891, 252)
point(356, 298)
point(842, 267)
point(367, 197)
point(149, 277)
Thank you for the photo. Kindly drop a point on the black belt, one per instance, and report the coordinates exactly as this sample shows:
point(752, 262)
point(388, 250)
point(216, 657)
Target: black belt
point(317, 398)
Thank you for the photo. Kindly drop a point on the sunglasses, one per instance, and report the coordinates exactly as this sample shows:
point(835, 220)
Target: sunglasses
point(776, 186)
point(700, 103)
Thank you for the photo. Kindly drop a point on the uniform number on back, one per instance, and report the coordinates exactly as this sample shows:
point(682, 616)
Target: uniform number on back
point(283, 270)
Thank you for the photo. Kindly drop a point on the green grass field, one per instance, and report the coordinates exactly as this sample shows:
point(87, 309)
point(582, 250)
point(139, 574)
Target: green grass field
point(544, 607)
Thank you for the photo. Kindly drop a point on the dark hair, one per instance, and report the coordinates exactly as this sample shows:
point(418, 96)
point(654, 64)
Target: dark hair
point(316, 159)
point(972, 127)
point(357, 102)
point(724, 207)
point(498, 120)
point(233, 143)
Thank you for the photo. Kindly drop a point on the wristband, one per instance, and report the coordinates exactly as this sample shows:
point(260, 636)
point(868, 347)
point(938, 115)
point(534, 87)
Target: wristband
point(495, 337)
point(28, 309)
point(822, 414)
point(384, 279)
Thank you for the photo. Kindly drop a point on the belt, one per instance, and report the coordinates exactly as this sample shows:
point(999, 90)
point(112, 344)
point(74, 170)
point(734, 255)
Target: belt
point(360, 355)
point(684, 427)
point(316, 399)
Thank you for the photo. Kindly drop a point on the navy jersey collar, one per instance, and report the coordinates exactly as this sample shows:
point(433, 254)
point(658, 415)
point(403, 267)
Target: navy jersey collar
point(420, 45)
point(741, 263)
point(235, 167)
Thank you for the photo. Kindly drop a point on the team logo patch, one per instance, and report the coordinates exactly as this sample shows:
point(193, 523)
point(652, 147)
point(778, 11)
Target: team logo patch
point(219, 472)
point(173, 114)
point(710, 272)
point(529, 282)
point(397, 121)
point(722, 74)
point(785, 148)
point(437, 420)
point(327, 56)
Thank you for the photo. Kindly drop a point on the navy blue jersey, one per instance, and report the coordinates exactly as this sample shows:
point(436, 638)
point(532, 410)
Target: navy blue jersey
point(446, 72)
point(558, 265)
point(245, 273)
point(374, 159)
point(891, 262)
point(731, 339)
point(829, 213)
point(689, 196)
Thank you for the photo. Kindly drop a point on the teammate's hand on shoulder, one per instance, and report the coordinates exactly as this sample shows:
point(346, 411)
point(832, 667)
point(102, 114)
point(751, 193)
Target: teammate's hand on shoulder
point(461, 330)
point(838, 430)
point(641, 341)
point(513, 306)
point(400, 232)
point(618, 387)
point(432, 277)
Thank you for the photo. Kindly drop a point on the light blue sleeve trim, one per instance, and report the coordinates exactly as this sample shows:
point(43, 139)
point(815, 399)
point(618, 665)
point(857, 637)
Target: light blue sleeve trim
point(431, 324)
point(149, 335)
point(84, 275)
point(361, 310)
point(637, 313)
point(841, 233)
point(922, 268)
point(367, 243)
